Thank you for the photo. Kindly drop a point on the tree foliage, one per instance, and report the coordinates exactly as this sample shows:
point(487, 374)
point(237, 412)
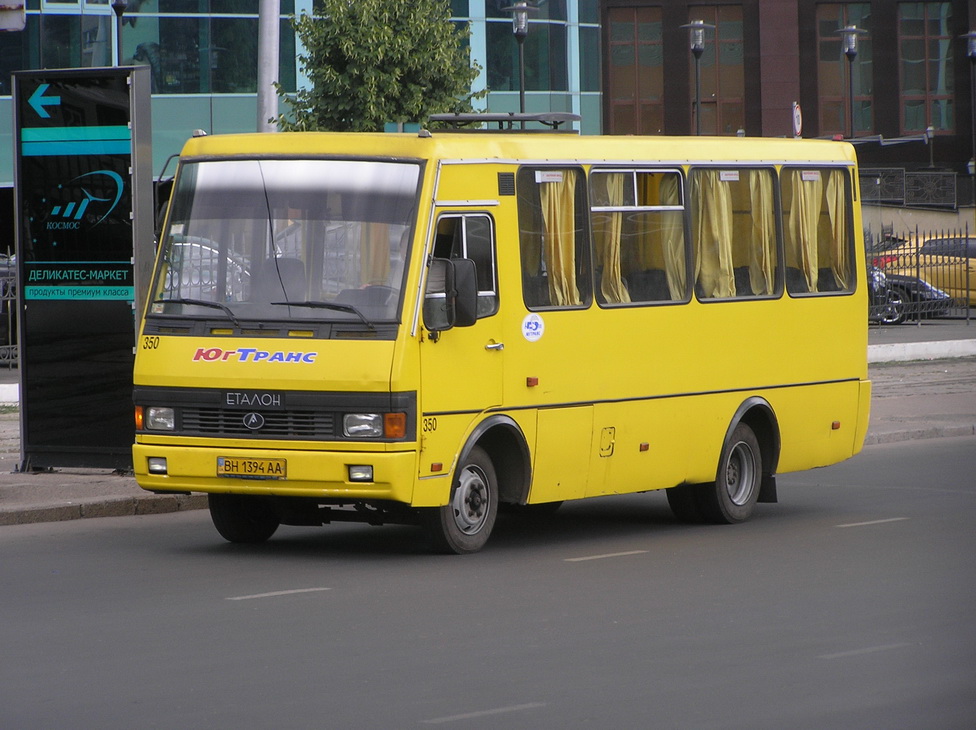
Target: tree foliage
point(376, 61)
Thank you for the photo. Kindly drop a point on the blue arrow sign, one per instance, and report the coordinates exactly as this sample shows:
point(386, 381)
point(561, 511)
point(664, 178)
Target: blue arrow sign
point(38, 101)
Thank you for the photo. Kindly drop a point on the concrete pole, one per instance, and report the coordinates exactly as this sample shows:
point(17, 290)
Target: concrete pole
point(267, 64)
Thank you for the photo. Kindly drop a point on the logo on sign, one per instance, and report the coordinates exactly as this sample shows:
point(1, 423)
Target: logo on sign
point(250, 354)
point(254, 421)
point(68, 217)
point(533, 327)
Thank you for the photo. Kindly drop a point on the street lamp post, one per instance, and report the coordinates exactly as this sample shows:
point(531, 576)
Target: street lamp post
point(119, 6)
point(850, 34)
point(520, 29)
point(696, 42)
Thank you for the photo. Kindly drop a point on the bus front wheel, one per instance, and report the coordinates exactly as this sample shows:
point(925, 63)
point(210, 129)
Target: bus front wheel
point(240, 518)
point(732, 498)
point(464, 524)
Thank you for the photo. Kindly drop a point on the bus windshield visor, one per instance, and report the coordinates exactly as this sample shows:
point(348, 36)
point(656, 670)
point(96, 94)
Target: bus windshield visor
point(287, 239)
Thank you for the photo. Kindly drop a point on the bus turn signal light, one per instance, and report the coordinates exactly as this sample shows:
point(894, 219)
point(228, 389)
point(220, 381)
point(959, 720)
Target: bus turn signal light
point(395, 425)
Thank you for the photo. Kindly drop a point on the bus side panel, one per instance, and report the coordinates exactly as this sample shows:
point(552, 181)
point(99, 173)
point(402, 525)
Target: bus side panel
point(561, 458)
point(650, 445)
point(819, 424)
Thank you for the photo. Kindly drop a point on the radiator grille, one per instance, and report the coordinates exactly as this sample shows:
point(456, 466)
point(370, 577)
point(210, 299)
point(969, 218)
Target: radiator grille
point(298, 425)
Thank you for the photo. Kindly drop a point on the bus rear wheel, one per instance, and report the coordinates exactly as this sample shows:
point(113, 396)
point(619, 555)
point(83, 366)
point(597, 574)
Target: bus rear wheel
point(464, 524)
point(732, 498)
point(243, 519)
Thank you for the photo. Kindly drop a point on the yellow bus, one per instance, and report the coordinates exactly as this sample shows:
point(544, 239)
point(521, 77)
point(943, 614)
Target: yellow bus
point(422, 328)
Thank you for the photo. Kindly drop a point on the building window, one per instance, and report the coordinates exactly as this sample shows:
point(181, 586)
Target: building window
point(545, 57)
point(636, 71)
point(722, 71)
point(832, 69)
point(925, 40)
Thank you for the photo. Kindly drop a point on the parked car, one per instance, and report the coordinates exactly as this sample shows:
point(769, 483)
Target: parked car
point(920, 299)
point(885, 306)
point(896, 298)
point(945, 262)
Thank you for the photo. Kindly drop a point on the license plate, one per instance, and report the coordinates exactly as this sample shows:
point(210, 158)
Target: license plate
point(228, 466)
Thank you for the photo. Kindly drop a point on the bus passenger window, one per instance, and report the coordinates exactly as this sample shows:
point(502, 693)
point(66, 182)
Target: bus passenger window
point(817, 222)
point(552, 236)
point(734, 233)
point(471, 236)
point(637, 221)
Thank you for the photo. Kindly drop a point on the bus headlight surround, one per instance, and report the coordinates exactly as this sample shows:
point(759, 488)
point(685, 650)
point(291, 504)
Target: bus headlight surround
point(159, 418)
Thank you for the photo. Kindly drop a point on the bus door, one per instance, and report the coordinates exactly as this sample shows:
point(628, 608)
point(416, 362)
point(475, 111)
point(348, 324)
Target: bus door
point(462, 368)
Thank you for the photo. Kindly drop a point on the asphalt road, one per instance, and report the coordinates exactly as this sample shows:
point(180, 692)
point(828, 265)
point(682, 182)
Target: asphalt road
point(848, 605)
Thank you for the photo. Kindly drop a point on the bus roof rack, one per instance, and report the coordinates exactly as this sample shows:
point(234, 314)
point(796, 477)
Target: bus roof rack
point(506, 121)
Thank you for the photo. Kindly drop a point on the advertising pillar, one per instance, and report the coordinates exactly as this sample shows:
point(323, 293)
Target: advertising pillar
point(83, 199)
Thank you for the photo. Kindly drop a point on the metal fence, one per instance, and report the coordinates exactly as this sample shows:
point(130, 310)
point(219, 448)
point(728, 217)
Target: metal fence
point(8, 308)
point(911, 189)
point(921, 275)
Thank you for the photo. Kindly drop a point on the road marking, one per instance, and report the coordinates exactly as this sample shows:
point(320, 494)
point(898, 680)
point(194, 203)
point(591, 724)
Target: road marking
point(859, 652)
point(275, 594)
point(485, 713)
point(874, 522)
point(607, 555)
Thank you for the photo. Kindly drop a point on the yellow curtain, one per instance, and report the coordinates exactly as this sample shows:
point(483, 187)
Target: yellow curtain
point(713, 235)
point(374, 258)
point(559, 223)
point(803, 222)
point(648, 236)
point(840, 260)
point(672, 230)
point(762, 264)
point(611, 282)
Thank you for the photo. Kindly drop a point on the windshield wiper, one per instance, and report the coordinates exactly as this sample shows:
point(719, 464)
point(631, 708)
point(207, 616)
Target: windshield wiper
point(205, 303)
point(329, 305)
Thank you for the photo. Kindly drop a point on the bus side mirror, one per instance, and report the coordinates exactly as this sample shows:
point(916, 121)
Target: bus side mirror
point(466, 292)
point(452, 294)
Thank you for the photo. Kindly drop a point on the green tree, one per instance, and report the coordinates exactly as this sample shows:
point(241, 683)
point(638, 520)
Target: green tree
point(376, 61)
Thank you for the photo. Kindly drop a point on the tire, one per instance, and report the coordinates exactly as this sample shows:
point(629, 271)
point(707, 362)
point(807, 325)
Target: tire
point(895, 310)
point(242, 519)
point(464, 524)
point(683, 501)
point(900, 303)
point(732, 498)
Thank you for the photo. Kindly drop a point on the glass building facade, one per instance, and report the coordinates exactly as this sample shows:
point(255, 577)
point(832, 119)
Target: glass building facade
point(202, 56)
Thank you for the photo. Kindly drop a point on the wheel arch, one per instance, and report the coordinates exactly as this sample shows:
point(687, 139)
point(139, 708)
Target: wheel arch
point(758, 414)
point(502, 439)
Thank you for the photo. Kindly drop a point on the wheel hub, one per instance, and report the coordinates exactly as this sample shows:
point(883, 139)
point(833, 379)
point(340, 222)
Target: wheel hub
point(470, 503)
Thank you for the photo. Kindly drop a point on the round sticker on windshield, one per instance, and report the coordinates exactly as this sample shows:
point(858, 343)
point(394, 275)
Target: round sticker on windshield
point(532, 327)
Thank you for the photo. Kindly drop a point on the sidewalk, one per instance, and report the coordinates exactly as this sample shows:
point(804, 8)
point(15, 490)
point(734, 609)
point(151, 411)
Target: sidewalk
point(924, 379)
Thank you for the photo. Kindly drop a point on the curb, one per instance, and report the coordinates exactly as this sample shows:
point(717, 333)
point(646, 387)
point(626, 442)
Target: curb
point(906, 352)
point(105, 507)
point(936, 432)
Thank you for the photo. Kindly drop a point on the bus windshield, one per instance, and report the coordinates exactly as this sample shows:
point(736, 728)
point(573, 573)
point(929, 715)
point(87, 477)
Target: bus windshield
point(287, 239)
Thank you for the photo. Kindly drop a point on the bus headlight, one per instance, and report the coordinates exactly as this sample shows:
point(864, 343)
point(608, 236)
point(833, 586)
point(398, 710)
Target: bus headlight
point(160, 419)
point(360, 473)
point(363, 425)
